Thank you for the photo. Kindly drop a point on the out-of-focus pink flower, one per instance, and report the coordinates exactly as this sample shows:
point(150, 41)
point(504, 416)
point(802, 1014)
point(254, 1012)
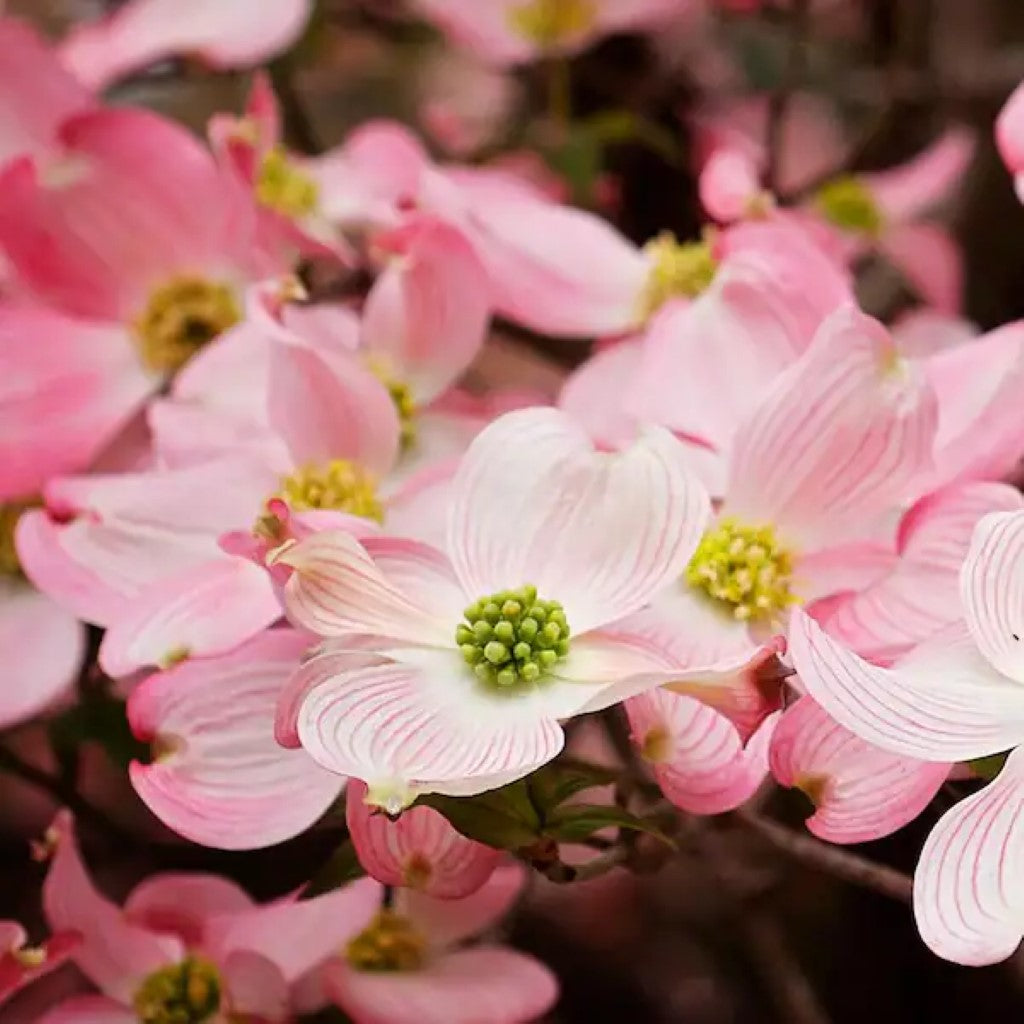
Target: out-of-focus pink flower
point(419, 849)
point(482, 655)
point(21, 964)
point(412, 966)
point(514, 31)
point(190, 944)
point(221, 33)
point(1010, 138)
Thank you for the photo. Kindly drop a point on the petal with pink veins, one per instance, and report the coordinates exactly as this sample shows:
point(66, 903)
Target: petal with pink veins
point(968, 887)
point(859, 792)
point(419, 849)
point(942, 702)
point(204, 611)
point(219, 777)
point(224, 34)
point(836, 440)
point(114, 954)
point(601, 533)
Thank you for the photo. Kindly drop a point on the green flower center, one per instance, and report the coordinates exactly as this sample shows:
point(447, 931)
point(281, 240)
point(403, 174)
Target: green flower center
point(10, 513)
point(184, 993)
point(340, 485)
point(513, 637)
point(847, 203)
point(550, 22)
point(744, 567)
point(678, 270)
point(283, 187)
point(389, 943)
point(180, 318)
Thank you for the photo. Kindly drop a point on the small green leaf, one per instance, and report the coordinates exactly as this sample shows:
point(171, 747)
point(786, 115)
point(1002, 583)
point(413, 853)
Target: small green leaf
point(558, 781)
point(988, 768)
point(503, 818)
point(574, 823)
point(341, 868)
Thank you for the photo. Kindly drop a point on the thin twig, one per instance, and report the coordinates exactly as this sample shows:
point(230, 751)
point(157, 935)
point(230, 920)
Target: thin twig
point(850, 867)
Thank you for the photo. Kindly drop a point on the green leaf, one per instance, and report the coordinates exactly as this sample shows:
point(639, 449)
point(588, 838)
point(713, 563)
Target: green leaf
point(341, 868)
point(504, 818)
point(988, 768)
point(574, 823)
point(558, 781)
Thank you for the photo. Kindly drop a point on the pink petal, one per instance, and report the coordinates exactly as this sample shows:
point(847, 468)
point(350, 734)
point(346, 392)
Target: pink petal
point(929, 258)
point(697, 755)
point(297, 935)
point(426, 316)
point(567, 502)
point(203, 611)
point(407, 729)
point(836, 439)
point(224, 34)
point(923, 333)
point(594, 394)
point(920, 594)
point(968, 894)
point(860, 793)
point(419, 849)
point(89, 1010)
point(337, 588)
point(38, 93)
point(992, 590)
point(17, 971)
point(61, 402)
point(942, 703)
point(1010, 131)
point(115, 954)
point(45, 647)
point(496, 985)
point(255, 987)
point(180, 904)
point(220, 778)
point(906, 191)
point(729, 182)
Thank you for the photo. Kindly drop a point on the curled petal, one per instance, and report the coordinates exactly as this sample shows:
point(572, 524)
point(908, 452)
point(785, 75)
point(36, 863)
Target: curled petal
point(968, 888)
point(859, 792)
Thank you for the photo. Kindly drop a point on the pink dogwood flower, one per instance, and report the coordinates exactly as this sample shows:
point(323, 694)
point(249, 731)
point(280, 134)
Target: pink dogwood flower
point(190, 944)
point(419, 849)
point(1010, 138)
point(412, 964)
point(481, 651)
point(955, 697)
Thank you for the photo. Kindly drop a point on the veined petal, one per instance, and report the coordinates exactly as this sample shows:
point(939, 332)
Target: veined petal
point(944, 702)
point(836, 440)
point(219, 777)
point(203, 611)
point(968, 887)
point(420, 849)
point(992, 591)
point(859, 792)
point(601, 533)
point(114, 954)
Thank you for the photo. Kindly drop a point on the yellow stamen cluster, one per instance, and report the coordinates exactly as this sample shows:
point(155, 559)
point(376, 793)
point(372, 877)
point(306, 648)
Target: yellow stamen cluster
point(401, 395)
point(389, 943)
point(847, 203)
point(187, 992)
point(10, 513)
point(181, 317)
point(339, 484)
point(548, 23)
point(744, 567)
point(283, 187)
point(678, 270)
point(513, 637)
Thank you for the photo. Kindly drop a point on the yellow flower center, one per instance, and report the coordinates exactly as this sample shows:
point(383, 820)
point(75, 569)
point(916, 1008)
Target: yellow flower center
point(745, 568)
point(184, 993)
point(389, 943)
point(10, 513)
point(401, 395)
point(339, 484)
point(847, 203)
point(548, 23)
point(282, 186)
point(678, 270)
point(181, 317)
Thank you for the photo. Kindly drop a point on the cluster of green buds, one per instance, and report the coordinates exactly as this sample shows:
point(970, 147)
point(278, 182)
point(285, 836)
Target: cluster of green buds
point(513, 637)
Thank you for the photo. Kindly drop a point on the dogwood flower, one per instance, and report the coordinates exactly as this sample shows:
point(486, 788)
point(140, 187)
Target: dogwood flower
point(482, 651)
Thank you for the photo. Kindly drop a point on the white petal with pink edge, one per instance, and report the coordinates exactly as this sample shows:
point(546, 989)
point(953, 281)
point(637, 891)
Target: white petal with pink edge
point(969, 887)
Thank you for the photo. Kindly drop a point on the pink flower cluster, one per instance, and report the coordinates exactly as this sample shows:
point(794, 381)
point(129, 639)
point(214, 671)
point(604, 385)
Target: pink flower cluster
point(765, 532)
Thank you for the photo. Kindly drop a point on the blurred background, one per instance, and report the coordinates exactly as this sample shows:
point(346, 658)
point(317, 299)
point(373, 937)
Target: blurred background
point(732, 930)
